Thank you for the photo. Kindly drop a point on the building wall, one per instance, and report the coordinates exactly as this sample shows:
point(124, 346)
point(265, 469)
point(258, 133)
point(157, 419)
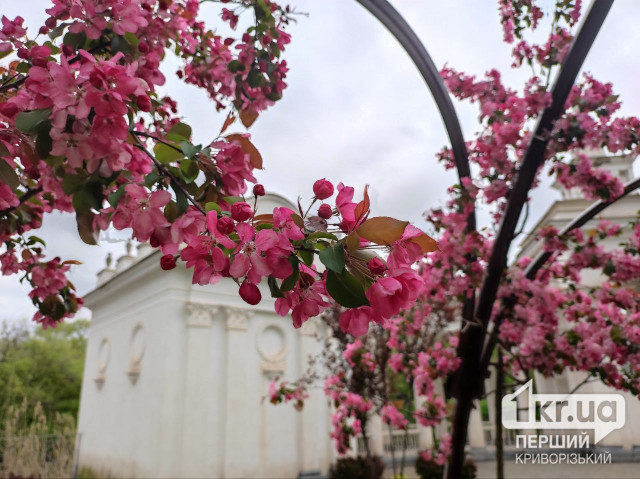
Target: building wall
point(175, 378)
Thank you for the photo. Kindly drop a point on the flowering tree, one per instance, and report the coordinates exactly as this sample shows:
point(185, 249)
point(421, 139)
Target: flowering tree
point(84, 130)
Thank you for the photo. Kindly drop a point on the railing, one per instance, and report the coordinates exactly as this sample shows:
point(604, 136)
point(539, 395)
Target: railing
point(395, 441)
point(508, 435)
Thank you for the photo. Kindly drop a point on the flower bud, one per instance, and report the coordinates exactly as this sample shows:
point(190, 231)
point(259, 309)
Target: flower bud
point(325, 211)
point(143, 47)
point(143, 102)
point(250, 293)
point(167, 262)
point(241, 211)
point(376, 266)
point(23, 53)
point(225, 225)
point(258, 190)
point(323, 189)
point(67, 50)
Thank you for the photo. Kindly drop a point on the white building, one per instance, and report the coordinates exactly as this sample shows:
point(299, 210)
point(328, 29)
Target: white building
point(559, 214)
point(176, 373)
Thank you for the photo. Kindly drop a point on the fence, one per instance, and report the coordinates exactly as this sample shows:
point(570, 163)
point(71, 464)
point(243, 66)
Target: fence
point(396, 441)
point(42, 456)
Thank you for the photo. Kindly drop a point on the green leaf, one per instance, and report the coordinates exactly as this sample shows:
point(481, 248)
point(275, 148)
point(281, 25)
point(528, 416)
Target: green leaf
point(8, 174)
point(150, 179)
point(120, 44)
point(289, 283)
point(43, 140)
point(181, 199)
point(273, 287)
point(88, 196)
point(28, 121)
point(333, 258)
point(23, 67)
point(306, 257)
point(6, 53)
point(75, 40)
point(211, 206)
point(189, 170)
point(322, 234)
point(180, 129)
point(166, 154)
point(190, 150)
point(71, 183)
point(114, 198)
point(346, 289)
point(233, 199)
point(132, 39)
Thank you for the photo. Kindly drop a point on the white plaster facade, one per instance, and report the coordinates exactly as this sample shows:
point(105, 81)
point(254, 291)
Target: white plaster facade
point(621, 212)
point(175, 377)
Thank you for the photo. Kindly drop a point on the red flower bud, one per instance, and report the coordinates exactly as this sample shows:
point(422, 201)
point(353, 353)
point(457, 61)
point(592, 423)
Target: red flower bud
point(67, 50)
point(143, 47)
point(376, 266)
point(23, 53)
point(167, 262)
point(325, 211)
point(258, 190)
point(225, 225)
point(250, 293)
point(323, 189)
point(143, 102)
point(241, 211)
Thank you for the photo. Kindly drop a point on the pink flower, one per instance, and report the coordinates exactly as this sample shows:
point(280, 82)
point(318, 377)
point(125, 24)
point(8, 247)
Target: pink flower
point(283, 221)
point(141, 211)
point(390, 415)
point(356, 321)
point(388, 296)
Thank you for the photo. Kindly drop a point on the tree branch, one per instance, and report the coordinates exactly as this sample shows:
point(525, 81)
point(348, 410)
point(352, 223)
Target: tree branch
point(166, 172)
point(30, 193)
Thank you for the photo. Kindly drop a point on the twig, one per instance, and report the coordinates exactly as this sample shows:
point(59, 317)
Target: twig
point(25, 197)
point(166, 172)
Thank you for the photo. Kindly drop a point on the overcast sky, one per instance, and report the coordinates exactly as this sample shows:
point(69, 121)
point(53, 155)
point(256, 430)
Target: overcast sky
point(356, 109)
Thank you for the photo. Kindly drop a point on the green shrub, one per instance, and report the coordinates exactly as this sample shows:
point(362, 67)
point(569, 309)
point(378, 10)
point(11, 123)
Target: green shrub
point(357, 468)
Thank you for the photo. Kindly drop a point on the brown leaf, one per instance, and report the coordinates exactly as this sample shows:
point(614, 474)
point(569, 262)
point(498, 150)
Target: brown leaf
point(363, 207)
point(352, 242)
point(72, 261)
point(426, 242)
point(228, 122)
point(382, 229)
point(263, 219)
point(248, 148)
point(248, 117)
point(85, 228)
point(297, 219)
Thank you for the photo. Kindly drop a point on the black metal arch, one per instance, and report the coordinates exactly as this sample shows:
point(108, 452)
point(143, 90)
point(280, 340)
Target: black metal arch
point(400, 29)
point(534, 156)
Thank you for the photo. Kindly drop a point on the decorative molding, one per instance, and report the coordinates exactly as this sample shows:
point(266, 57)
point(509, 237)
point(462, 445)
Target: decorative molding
point(238, 319)
point(200, 315)
point(273, 369)
point(103, 357)
point(136, 351)
point(133, 373)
